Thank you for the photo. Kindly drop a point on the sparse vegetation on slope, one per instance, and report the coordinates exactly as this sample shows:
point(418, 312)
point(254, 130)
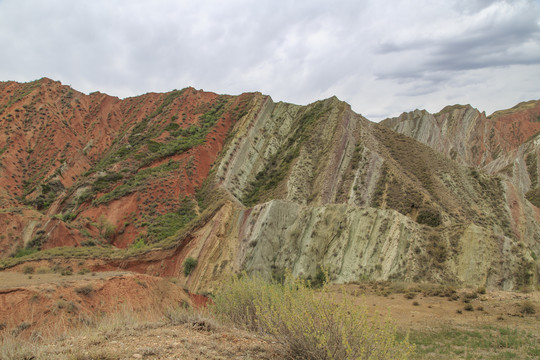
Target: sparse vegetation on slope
point(279, 164)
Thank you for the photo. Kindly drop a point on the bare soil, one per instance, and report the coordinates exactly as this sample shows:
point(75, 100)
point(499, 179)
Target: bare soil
point(42, 306)
point(500, 308)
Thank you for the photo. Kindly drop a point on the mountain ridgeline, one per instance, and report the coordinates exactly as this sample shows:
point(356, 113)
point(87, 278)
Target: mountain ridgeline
point(241, 183)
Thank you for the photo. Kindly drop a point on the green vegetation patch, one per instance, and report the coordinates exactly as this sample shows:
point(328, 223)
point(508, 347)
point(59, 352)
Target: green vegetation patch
point(24, 252)
point(185, 139)
point(137, 181)
point(486, 342)
point(168, 224)
point(189, 265)
point(429, 217)
point(104, 182)
point(49, 192)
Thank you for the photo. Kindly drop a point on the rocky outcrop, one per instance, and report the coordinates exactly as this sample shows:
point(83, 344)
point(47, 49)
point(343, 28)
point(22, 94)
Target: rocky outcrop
point(363, 202)
point(464, 134)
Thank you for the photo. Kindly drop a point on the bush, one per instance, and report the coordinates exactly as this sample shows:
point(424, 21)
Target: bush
point(319, 280)
point(481, 290)
point(527, 307)
point(24, 252)
point(86, 290)
point(28, 269)
point(189, 264)
point(410, 295)
point(307, 322)
point(139, 244)
point(42, 270)
point(429, 217)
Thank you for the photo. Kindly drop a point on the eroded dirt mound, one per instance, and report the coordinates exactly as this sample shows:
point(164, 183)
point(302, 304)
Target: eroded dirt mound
point(49, 303)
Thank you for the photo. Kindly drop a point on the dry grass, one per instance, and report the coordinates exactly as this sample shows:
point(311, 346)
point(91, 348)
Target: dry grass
point(172, 333)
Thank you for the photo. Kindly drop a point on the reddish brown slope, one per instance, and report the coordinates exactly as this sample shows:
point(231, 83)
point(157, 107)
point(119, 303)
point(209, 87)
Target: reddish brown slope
point(57, 143)
point(518, 124)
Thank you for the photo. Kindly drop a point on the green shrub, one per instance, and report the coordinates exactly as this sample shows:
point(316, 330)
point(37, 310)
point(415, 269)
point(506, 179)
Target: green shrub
point(170, 223)
point(307, 322)
point(319, 280)
point(28, 270)
point(429, 217)
point(90, 242)
point(139, 244)
point(189, 264)
point(24, 252)
point(481, 290)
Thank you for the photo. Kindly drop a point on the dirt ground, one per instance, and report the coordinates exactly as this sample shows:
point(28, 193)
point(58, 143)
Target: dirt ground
point(500, 308)
point(42, 301)
point(164, 342)
point(9, 280)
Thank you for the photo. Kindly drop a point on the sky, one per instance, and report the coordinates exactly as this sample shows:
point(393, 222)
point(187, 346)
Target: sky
point(382, 57)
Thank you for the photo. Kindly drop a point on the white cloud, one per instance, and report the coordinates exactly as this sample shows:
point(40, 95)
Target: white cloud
point(381, 57)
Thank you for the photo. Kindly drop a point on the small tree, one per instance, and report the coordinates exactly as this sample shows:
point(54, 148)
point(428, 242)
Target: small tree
point(106, 229)
point(189, 264)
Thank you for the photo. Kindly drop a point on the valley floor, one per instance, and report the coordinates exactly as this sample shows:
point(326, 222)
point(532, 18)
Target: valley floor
point(443, 323)
point(464, 325)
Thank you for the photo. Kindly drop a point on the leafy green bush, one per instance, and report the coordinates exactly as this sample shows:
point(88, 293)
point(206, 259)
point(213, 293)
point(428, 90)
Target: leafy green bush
point(168, 224)
point(189, 265)
point(139, 244)
point(307, 322)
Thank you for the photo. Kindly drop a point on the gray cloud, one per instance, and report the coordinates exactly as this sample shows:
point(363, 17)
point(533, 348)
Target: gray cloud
point(381, 57)
point(500, 34)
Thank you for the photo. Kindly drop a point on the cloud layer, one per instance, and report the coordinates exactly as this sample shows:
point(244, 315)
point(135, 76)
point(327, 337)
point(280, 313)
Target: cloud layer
point(381, 57)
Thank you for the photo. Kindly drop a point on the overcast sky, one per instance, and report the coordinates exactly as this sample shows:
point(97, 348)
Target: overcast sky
point(382, 57)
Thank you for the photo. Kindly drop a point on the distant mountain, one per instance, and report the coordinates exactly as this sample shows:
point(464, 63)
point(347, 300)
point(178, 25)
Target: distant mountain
point(243, 183)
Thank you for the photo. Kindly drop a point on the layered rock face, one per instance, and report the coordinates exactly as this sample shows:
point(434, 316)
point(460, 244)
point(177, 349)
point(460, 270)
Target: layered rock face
point(243, 183)
point(504, 143)
point(337, 191)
